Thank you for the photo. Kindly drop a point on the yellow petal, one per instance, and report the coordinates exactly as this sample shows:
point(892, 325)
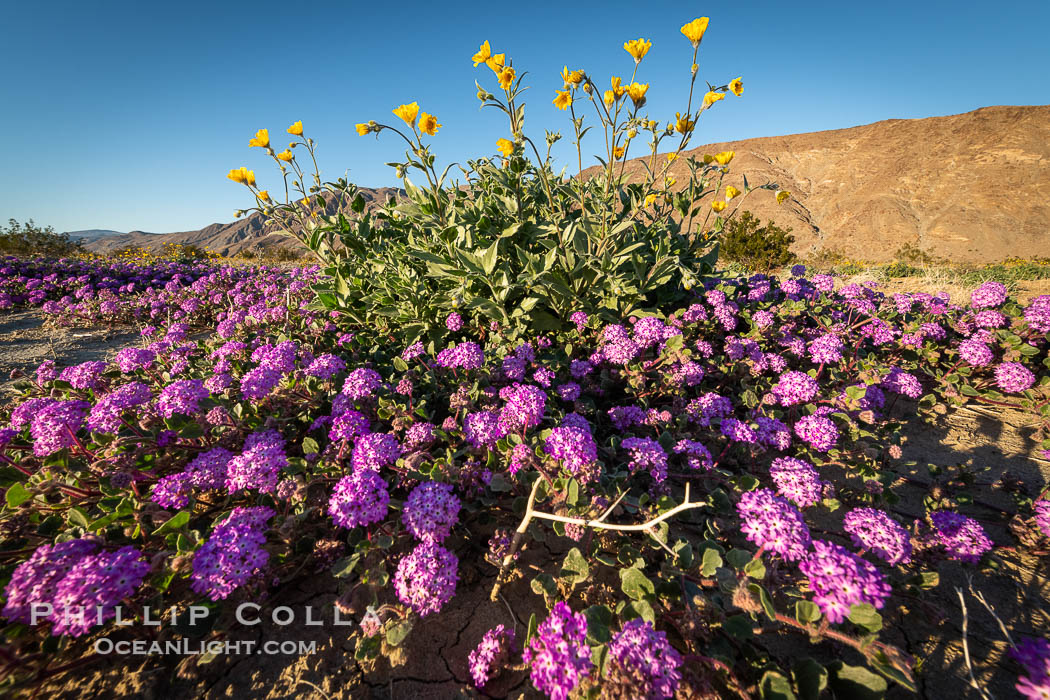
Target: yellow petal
point(718, 205)
point(261, 140)
point(505, 147)
point(296, 129)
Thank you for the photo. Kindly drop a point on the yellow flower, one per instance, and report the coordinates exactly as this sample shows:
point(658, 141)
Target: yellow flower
point(694, 31)
point(296, 129)
point(671, 157)
point(636, 91)
point(724, 157)
point(243, 176)
point(718, 206)
point(262, 139)
point(483, 54)
point(712, 97)
point(506, 77)
point(285, 155)
point(505, 147)
point(737, 87)
point(731, 192)
point(428, 124)
point(571, 77)
point(669, 182)
point(562, 99)
point(263, 195)
point(683, 124)
point(618, 152)
point(637, 48)
point(782, 196)
point(363, 129)
point(304, 202)
point(649, 199)
point(631, 133)
point(496, 62)
point(617, 90)
point(408, 113)
point(610, 97)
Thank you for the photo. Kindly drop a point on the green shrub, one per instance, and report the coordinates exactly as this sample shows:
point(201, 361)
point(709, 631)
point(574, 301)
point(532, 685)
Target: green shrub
point(515, 243)
point(756, 247)
point(30, 239)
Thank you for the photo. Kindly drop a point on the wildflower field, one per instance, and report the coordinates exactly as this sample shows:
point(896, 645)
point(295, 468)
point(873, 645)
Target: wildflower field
point(526, 434)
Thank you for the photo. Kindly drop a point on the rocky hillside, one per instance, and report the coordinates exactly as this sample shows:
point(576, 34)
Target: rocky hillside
point(226, 239)
point(967, 187)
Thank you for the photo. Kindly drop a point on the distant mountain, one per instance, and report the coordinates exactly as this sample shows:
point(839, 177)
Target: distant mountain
point(228, 239)
point(92, 234)
point(971, 187)
point(968, 187)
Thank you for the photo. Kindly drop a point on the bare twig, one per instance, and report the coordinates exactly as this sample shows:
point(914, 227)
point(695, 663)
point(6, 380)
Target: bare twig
point(597, 523)
point(966, 647)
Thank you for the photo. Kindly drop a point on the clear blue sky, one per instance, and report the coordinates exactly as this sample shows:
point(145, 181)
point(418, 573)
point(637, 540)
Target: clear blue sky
point(128, 115)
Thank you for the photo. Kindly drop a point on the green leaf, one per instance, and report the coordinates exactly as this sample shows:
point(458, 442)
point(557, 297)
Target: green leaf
point(712, 560)
point(763, 597)
point(806, 612)
point(16, 495)
point(775, 686)
point(755, 569)
point(864, 615)
point(575, 567)
point(530, 631)
point(342, 568)
point(635, 584)
point(599, 620)
point(856, 682)
point(399, 632)
point(544, 585)
point(310, 446)
point(174, 523)
point(739, 626)
point(739, 558)
point(810, 677)
point(77, 516)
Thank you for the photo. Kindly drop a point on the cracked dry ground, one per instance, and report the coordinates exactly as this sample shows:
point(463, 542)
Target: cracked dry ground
point(434, 658)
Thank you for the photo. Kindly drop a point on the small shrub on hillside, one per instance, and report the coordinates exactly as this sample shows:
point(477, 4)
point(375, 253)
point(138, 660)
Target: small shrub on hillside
point(756, 247)
point(29, 239)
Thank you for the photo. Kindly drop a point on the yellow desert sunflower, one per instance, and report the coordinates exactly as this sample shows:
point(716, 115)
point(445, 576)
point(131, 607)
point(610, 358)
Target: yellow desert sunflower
point(712, 97)
point(562, 99)
point(718, 206)
point(637, 48)
point(483, 54)
point(636, 91)
point(428, 124)
point(737, 87)
point(261, 140)
point(694, 31)
point(506, 77)
point(408, 113)
point(296, 129)
point(505, 147)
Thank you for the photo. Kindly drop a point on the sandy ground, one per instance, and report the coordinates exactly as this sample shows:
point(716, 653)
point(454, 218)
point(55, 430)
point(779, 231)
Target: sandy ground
point(999, 448)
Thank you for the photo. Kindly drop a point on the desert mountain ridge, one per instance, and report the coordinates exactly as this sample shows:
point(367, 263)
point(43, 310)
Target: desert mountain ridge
point(969, 187)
